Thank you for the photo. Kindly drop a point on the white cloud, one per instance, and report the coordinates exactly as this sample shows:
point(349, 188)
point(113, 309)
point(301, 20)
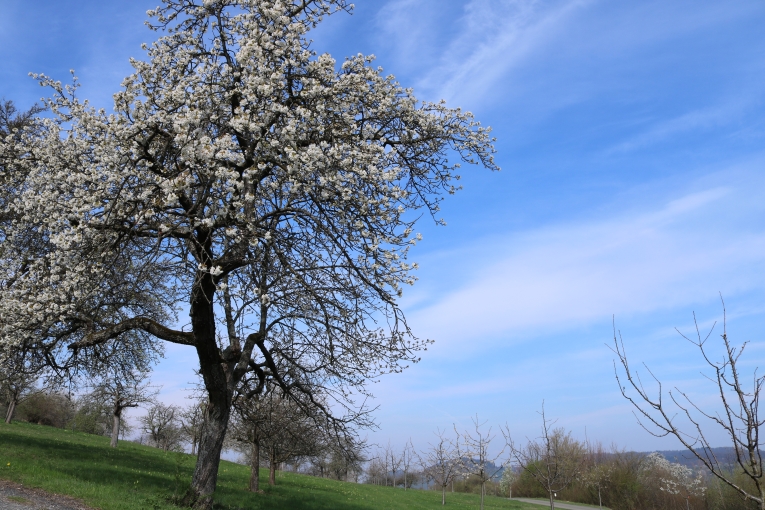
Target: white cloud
point(677, 254)
point(703, 119)
point(497, 36)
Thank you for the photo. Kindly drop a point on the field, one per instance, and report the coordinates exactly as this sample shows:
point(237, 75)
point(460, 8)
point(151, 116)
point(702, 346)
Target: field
point(136, 477)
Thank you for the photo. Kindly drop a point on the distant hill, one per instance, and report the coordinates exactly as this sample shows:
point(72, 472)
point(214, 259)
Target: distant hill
point(725, 455)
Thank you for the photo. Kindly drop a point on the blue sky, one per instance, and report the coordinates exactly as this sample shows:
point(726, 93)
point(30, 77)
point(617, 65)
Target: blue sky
point(631, 137)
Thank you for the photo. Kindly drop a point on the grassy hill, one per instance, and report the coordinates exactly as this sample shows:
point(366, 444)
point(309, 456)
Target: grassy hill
point(135, 477)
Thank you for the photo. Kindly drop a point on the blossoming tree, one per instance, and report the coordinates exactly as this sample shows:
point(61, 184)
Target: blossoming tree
point(266, 190)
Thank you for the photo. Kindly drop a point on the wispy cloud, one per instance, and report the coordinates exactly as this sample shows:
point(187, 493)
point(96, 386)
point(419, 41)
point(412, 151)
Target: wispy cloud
point(496, 36)
point(675, 254)
point(700, 120)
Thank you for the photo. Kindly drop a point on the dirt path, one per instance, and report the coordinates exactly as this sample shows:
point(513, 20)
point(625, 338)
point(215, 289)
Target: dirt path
point(14, 496)
point(562, 506)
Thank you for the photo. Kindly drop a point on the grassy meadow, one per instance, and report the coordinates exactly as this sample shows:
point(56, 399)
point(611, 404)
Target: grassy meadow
point(136, 477)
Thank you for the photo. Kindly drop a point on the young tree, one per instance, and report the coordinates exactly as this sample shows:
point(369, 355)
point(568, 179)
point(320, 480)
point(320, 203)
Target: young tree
point(739, 418)
point(376, 471)
point(598, 478)
point(555, 460)
point(473, 452)
point(441, 462)
point(509, 476)
point(247, 432)
point(392, 463)
point(267, 188)
point(673, 478)
point(406, 462)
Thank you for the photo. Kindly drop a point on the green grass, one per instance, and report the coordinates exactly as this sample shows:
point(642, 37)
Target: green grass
point(135, 477)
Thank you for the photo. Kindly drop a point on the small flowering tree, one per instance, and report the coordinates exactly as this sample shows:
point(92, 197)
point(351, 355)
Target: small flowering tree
point(266, 189)
point(675, 479)
point(509, 477)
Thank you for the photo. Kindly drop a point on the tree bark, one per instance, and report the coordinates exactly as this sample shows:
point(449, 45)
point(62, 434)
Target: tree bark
point(255, 466)
point(552, 501)
point(115, 428)
point(220, 389)
point(443, 495)
point(11, 410)
point(205, 477)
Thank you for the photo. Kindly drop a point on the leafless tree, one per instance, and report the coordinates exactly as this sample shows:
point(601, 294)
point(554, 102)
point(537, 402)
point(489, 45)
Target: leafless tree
point(161, 423)
point(19, 373)
point(441, 462)
point(739, 417)
point(273, 425)
point(473, 452)
point(554, 460)
point(376, 471)
point(247, 431)
point(119, 390)
point(192, 418)
point(406, 461)
point(392, 462)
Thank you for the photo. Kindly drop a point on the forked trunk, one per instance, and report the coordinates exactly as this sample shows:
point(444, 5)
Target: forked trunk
point(220, 389)
point(255, 466)
point(10, 411)
point(115, 428)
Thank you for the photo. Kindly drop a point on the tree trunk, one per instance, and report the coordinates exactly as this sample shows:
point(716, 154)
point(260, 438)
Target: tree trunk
point(255, 466)
point(272, 468)
point(552, 501)
point(443, 495)
point(115, 428)
point(11, 410)
point(205, 476)
point(220, 389)
point(483, 490)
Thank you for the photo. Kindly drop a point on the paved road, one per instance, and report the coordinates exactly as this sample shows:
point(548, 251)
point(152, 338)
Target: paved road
point(546, 504)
